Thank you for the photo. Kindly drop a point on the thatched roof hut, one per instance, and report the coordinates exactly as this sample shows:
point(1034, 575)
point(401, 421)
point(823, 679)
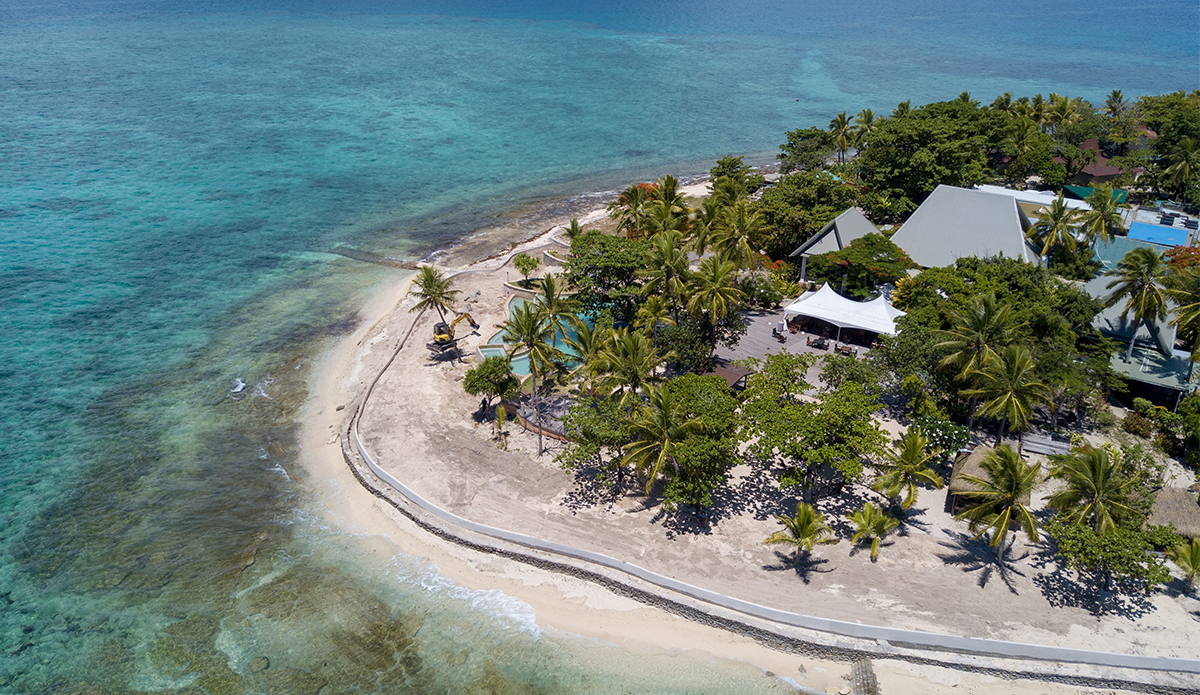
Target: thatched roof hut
point(971, 463)
point(1176, 506)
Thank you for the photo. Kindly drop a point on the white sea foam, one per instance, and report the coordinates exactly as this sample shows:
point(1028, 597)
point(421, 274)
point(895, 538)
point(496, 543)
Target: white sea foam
point(281, 471)
point(238, 385)
point(260, 388)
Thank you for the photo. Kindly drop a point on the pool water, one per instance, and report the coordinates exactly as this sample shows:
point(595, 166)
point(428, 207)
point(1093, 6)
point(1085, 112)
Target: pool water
point(520, 363)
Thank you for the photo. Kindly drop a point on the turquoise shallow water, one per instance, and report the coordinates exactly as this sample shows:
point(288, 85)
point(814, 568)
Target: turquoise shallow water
point(173, 176)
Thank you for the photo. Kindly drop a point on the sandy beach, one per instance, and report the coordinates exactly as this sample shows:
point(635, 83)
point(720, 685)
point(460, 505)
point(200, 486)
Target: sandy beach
point(419, 410)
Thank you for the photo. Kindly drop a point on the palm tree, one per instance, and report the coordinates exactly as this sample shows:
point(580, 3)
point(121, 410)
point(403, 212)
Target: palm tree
point(872, 523)
point(574, 229)
point(1003, 103)
point(1184, 161)
point(589, 343)
point(1103, 221)
point(1183, 287)
point(661, 217)
point(1063, 111)
point(1037, 110)
point(554, 306)
point(666, 270)
point(1055, 226)
point(433, 290)
point(1009, 388)
point(704, 224)
point(527, 329)
point(1186, 556)
point(1115, 104)
point(629, 209)
point(906, 465)
point(1097, 489)
point(629, 362)
point(714, 290)
point(865, 125)
point(998, 500)
point(657, 429)
point(1138, 279)
point(653, 312)
point(1023, 136)
point(977, 333)
point(964, 97)
point(803, 531)
point(843, 134)
point(739, 231)
point(902, 109)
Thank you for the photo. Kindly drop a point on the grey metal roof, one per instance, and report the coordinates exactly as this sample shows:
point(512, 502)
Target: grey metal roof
point(1108, 321)
point(837, 235)
point(1151, 367)
point(956, 223)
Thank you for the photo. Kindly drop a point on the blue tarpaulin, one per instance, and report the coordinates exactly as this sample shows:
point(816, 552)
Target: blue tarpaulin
point(1158, 234)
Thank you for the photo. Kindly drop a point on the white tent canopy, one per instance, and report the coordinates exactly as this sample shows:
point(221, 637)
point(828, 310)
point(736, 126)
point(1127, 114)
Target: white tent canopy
point(876, 315)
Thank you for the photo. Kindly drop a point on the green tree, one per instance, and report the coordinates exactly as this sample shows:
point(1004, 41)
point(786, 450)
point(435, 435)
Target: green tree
point(998, 503)
point(843, 134)
point(1186, 557)
point(872, 524)
point(1120, 557)
point(629, 210)
point(705, 456)
point(805, 150)
point(713, 290)
point(596, 428)
point(658, 428)
point(432, 289)
point(865, 125)
point(976, 333)
point(1138, 280)
point(1183, 287)
point(803, 437)
point(493, 378)
point(869, 262)
point(589, 342)
point(799, 205)
point(653, 313)
point(1009, 387)
point(602, 269)
point(739, 236)
point(526, 330)
point(905, 465)
point(1056, 226)
point(556, 307)
point(1097, 491)
point(526, 265)
point(1183, 163)
point(735, 169)
point(803, 531)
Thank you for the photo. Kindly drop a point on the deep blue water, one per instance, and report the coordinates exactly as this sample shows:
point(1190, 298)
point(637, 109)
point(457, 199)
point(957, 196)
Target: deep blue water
point(173, 175)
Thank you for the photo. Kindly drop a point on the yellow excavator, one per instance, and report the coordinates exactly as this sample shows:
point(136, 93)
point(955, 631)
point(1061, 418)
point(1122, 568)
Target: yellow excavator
point(443, 334)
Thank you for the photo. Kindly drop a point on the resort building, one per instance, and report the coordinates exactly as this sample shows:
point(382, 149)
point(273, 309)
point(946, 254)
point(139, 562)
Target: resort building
point(956, 223)
point(1176, 506)
point(835, 236)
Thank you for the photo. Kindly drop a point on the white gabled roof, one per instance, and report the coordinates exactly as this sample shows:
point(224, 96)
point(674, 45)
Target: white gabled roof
point(838, 234)
point(876, 315)
point(956, 223)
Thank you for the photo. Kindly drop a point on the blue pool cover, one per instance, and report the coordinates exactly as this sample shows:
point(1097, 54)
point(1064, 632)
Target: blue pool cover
point(1158, 234)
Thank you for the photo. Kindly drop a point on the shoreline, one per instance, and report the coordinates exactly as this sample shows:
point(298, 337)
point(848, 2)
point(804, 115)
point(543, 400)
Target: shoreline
point(561, 602)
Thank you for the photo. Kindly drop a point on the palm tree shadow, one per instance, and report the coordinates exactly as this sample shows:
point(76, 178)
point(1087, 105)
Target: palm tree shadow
point(909, 518)
point(975, 555)
point(805, 566)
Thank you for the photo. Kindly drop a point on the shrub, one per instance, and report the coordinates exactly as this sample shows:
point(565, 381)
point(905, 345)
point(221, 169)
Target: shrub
point(943, 434)
point(1143, 407)
point(761, 292)
point(526, 265)
point(1137, 425)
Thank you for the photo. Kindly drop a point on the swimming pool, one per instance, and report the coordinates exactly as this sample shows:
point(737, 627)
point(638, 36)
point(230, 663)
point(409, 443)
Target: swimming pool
point(496, 347)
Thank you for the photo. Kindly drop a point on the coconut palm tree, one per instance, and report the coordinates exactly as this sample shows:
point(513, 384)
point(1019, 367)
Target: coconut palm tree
point(1037, 110)
point(1055, 226)
point(865, 125)
point(906, 465)
point(661, 217)
point(666, 270)
point(652, 313)
point(658, 428)
point(704, 224)
point(1186, 556)
point(589, 343)
point(1008, 386)
point(873, 524)
point(628, 361)
point(667, 191)
point(965, 97)
point(1115, 104)
point(739, 235)
point(902, 109)
point(1063, 111)
point(1184, 161)
point(527, 330)
point(998, 503)
point(1003, 103)
point(1097, 492)
point(556, 308)
point(843, 134)
point(433, 290)
point(1138, 279)
point(804, 531)
point(980, 331)
point(1103, 221)
point(714, 291)
point(574, 230)
point(629, 210)
point(1023, 136)
point(1183, 287)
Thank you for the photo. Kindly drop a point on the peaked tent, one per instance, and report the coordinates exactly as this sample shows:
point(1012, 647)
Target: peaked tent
point(876, 315)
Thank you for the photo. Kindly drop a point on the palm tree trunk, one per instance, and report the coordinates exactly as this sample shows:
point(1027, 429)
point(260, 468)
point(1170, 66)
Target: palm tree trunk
point(1000, 432)
point(537, 410)
point(1132, 339)
point(971, 417)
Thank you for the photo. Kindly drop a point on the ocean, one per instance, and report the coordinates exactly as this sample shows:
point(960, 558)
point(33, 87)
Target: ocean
point(173, 179)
